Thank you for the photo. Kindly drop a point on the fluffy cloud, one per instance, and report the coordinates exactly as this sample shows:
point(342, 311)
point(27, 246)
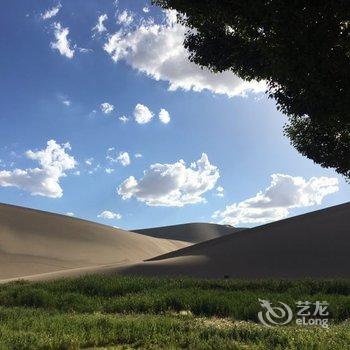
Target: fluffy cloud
point(157, 50)
point(62, 43)
point(125, 18)
point(99, 27)
point(172, 185)
point(70, 214)
point(43, 180)
point(107, 108)
point(123, 157)
point(109, 215)
point(142, 114)
point(284, 193)
point(164, 116)
point(51, 12)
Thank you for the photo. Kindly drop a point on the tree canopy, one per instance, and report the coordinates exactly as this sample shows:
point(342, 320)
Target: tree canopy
point(300, 48)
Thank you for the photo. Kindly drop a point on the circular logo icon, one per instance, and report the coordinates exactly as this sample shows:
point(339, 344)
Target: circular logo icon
point(275, 315)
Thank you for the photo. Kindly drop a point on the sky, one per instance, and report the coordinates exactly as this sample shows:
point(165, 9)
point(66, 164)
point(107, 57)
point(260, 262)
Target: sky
point(103, 117)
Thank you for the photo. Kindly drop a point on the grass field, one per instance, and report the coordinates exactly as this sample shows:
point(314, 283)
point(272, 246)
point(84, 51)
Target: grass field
point(155, 313)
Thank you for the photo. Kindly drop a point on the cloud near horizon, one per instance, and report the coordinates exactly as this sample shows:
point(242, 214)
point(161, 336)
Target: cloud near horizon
point(106, 214)
point(172, 185)
point(43, 180)
point(158, 51)
point(274, 203)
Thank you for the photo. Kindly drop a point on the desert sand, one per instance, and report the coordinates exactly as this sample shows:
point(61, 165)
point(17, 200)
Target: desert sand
point(191, 232)
point(41, 246)
point(35, 242)
point(315, 245)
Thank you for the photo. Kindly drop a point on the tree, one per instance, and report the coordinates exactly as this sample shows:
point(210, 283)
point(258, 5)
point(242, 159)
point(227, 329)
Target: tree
point(301, 48)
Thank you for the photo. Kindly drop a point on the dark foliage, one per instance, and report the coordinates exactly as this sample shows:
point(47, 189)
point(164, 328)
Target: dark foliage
point(301, 48)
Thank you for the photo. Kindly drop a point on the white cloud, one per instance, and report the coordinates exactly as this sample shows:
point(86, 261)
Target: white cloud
point(145, 9)
point(107, 108)
point(142, 114)
point(274, 203)
point(123, 157)
point(109, 170)
point(66, 103)
point(124, 119)
point(125, 18)
point(100, 27)
point(172, 185)
point(89, 161)
point(109, 215)
point(157, 50)
point(70, 214)
point(164, 116)
point(220, 191)
point(43, 180)
point(138, 155)
point(51, 12)
point(84, 50)
point(62, 43)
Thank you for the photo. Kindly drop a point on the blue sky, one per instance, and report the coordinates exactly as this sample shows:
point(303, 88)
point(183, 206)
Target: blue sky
point(62, 62)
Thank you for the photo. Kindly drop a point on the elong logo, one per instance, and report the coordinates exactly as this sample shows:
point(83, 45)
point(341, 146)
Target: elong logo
point(308, 314)
point(275, 315)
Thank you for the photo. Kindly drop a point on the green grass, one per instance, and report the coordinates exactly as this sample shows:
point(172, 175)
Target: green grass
point(144, 313)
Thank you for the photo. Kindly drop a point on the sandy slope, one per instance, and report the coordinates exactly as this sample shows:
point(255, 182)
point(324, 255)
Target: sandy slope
point(192, 232)
point(311, 245)
point(36, 242)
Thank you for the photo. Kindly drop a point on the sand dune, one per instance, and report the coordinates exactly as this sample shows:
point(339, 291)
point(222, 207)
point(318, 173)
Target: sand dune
point(35, 242)
point(49, 246)
point(192, 232)
point(313, 245)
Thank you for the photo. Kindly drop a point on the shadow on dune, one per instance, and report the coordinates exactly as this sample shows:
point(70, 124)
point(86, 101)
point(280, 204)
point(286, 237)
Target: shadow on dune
point(192, 232)
point(313, 245)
